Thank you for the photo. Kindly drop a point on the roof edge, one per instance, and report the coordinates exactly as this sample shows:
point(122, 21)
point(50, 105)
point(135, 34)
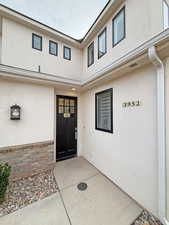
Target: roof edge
point(43, 24)
point(55, 30)
point(95, 21)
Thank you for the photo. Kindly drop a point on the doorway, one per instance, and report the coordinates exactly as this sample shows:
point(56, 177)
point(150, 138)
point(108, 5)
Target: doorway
point(66, 127)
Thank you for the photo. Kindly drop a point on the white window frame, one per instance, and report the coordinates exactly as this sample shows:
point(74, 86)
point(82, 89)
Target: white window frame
point(165, 15)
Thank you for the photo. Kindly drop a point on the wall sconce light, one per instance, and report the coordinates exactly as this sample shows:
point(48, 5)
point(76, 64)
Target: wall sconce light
point(15, 111)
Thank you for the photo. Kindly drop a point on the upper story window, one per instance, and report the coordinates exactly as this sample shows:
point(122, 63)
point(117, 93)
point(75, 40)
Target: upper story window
point(104, 110)
point(67, 53)
point(37, 42)
point(53, 48)
point(90, 54)
point(118, 27)
point(102, 43)
point(165, 14)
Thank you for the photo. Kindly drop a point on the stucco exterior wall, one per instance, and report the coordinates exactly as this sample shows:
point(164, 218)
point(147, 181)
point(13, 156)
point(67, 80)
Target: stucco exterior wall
point(17, 51)
point(37, 116)
point(144, 19)
point(129, 155)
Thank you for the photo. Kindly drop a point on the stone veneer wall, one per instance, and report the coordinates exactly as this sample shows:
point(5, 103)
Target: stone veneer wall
point(28, 160)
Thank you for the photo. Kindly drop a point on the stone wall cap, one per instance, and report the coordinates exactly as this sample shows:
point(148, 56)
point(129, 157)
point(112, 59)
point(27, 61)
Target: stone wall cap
point(25, 146)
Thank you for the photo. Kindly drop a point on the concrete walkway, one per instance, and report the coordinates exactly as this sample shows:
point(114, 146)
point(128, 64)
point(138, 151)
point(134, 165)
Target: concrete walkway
point(101, 204)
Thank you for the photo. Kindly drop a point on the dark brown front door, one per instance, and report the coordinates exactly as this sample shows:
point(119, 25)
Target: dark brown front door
point(66, 127)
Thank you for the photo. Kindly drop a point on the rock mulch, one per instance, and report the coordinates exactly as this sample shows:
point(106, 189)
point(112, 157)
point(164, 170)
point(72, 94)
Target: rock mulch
point(146, 219)
point(28, 190)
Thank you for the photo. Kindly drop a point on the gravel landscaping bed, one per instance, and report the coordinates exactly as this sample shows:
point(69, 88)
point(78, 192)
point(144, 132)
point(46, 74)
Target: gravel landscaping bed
point(28, 190)
point(146, 219)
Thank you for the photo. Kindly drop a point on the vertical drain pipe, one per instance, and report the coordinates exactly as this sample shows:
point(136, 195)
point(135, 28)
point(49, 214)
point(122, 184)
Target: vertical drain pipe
point(161, 134)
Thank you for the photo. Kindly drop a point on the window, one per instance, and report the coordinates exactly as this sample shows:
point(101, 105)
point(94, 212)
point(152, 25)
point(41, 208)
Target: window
point(37, 42)
point(91, 54)
point(66, 105)
point(165, 15)
point(104, 112)
point(102, 43)
point(118, 27)
point(53, 48)
point(67, 53)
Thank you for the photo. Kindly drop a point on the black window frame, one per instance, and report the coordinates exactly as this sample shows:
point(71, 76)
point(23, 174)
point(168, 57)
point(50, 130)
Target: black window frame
point(36, 35)
point(103, 31)
point(110, 90)
point(64, 56)
point(50, 52)
point(124, 28)
point(91, 45)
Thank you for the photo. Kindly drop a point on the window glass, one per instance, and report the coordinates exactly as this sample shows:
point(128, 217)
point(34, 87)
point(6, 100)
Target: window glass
point(53, 48)
point(102, 44)
point(72, 102)
point(61, 109)
point(36, 42)
point(66, 102)
point(72, 110)
point(61, 101)
point(66, 105)
point(119, 27)
point(67, 53)
point(91, 54)
point(104, 111)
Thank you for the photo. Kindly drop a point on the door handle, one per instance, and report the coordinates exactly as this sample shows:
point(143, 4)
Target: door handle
point(76, 133)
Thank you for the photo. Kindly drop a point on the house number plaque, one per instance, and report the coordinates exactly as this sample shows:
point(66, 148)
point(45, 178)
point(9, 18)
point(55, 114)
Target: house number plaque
point(131, 104)
point(66, 115)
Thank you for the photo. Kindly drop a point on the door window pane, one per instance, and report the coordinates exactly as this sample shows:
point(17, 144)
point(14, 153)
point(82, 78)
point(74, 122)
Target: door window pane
point(72, 102)
point(119, 27)
point(61, 101)
point(66, 102)
point(102, 48)
point(61, 109)
point(66, 109)
point(72, 110)
point(66, 105)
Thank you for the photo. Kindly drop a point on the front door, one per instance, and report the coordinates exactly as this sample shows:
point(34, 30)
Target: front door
point(66, 127)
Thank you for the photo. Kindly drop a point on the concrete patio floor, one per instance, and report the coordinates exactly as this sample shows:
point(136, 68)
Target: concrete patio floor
point(102, 203)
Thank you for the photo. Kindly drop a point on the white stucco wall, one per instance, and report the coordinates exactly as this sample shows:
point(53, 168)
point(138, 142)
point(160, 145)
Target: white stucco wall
point(144, 19)
point(17, 51)
point(37, 116)
point(129, 155)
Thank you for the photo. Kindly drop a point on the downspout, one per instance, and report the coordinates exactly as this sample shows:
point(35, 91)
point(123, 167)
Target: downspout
point(161, 134)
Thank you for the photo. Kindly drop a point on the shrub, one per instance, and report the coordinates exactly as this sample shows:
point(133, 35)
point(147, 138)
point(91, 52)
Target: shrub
point(5, 171)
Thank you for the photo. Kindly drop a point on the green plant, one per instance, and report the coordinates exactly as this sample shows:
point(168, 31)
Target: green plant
point(5, 171)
